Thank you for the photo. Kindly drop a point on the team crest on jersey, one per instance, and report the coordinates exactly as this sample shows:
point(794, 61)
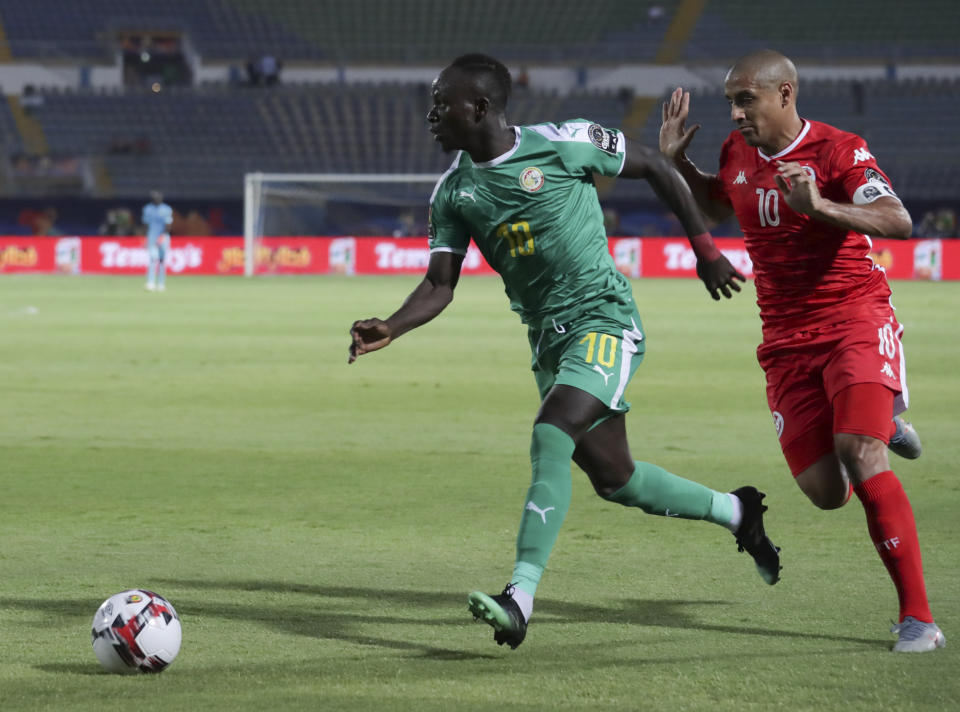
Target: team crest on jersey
point(778, 423)
point(874, 176)
point(604, 139)
point(531, 179)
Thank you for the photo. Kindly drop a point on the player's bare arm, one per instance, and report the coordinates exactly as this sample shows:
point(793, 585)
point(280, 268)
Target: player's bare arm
point(884, 217)
point(675, 137)
point(431, 297)
point(718, 275)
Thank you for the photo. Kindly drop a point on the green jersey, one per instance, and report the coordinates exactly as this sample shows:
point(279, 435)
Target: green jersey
point(534, 215)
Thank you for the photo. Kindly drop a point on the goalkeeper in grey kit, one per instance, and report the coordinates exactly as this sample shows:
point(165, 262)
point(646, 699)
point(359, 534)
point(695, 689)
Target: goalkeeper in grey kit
point(526, 196)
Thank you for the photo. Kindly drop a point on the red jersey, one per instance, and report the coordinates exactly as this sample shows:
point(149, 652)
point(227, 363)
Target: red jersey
point(808, 273)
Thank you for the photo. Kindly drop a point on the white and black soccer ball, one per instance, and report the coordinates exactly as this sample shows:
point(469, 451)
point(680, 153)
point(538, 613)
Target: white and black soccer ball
point(136, 631)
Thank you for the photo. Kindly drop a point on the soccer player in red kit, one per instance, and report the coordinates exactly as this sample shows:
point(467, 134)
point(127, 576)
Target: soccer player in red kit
point(807, 196)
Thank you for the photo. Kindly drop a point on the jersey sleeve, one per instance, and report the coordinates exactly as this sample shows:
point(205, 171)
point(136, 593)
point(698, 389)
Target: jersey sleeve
point(446, 230)
point(718, 185)
point(855, 168)
point(168, 215)
point(586, 146)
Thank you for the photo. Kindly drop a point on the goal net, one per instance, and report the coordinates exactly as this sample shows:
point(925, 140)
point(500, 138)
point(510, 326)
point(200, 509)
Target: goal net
point(348, 204)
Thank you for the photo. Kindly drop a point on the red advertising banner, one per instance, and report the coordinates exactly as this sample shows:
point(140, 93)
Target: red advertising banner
point(636, 257)
point(26, 254)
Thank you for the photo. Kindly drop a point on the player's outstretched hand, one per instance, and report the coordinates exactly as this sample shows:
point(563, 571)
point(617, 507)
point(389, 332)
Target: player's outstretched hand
point(719, 277)
point(674, 135)
point(368, 335)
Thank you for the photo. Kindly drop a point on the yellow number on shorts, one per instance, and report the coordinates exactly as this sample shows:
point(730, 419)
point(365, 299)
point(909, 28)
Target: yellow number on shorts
point(607, 351)
point(519, 235)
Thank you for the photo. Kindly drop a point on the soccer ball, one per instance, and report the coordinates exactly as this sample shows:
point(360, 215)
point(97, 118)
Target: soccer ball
point(136, 631)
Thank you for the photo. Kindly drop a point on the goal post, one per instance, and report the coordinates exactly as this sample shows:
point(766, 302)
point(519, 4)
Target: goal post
point(348, 204)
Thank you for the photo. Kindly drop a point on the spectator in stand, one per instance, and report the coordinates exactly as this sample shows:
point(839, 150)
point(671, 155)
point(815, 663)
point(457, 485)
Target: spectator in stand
point(270, 68)
point(264, 70)
point(118, 222)
point(43, 223)
point(942, 223)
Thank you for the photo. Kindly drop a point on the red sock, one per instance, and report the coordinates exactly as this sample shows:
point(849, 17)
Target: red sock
point(894, 533)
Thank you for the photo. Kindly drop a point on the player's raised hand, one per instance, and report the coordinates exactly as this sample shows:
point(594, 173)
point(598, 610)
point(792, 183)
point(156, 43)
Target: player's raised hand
point(368, 335)
point(674, 134)
point(798, 187)
point(719, 277)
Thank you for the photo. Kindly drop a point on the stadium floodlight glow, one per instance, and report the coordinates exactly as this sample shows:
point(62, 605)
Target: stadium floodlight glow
point(285, 204)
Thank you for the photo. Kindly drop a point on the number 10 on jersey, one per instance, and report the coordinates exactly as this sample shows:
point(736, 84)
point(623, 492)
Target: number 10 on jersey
point(519, 235)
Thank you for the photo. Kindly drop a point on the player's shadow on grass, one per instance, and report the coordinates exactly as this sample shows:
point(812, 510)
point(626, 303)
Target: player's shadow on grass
point(663, 613)
point(325, 618)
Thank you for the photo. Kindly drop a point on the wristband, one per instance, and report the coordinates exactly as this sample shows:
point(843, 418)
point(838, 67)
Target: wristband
point(704, 247)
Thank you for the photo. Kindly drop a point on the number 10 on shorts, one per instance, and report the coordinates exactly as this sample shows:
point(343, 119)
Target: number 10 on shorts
point(888, 341)
point(601, 346)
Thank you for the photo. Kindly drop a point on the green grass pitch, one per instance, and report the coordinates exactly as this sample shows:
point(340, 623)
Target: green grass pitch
point(319, 526)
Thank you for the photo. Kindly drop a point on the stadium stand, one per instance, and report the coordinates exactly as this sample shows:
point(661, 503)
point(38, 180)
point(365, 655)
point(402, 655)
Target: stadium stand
point(202, 142)
point(196, 142)
point(429, 31)
point(199, 143)
point(880, 31)
point(364, 31)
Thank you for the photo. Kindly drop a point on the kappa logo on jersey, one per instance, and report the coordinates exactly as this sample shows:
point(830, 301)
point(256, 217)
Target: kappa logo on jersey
point(741, 179)
point(862, 154)
point(874, 176)
point(604, 139)
point(531, 179)
point(778, 423)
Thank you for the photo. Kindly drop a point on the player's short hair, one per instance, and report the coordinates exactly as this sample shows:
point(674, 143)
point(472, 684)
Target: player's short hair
point(490, 73)
point(769, 68)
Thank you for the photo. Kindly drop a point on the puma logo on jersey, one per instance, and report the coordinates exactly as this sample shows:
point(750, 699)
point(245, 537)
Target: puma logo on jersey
point(741, 179)
point(887, 370)
point(465, 194)
point(606, 376)
point(861, 154)
point(542, 512)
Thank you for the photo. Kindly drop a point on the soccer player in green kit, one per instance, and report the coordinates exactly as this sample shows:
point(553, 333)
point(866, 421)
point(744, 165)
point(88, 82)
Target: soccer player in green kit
point(526, 196)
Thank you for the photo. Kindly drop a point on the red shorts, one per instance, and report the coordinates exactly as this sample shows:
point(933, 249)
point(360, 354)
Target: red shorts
point(807, 370)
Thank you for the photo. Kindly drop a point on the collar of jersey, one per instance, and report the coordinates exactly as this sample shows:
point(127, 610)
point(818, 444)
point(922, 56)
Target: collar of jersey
point(796, 142)
point(503, 156)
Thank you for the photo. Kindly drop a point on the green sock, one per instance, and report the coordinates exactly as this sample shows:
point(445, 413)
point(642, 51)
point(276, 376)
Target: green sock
point(548, 500)
point(656, 491)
